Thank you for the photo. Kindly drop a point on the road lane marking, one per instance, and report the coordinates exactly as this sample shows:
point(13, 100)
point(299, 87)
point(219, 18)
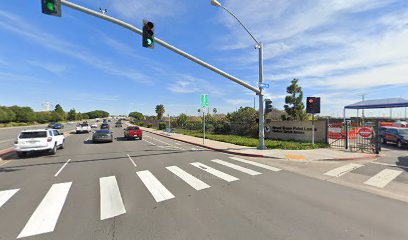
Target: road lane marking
point(111, 200)
point(167, 143)
point(256, 164)
point(390, 165)
point(382, 178)
point(62, 168)
point(177, 143)
point(158, 190)
point(8, 140)
point(149, 142)
point(194, 182)
point(46, 215)
point(4, 163)
point(134, 164)
point(6, 195)
point(215, 172)
point(237, 167)
point(337, 172)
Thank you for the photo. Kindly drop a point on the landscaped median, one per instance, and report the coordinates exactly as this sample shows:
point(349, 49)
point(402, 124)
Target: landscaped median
point(254, 142)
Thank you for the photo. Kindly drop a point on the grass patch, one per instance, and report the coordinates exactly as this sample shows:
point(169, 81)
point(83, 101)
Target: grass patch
point(253, 142)
point(17, 124)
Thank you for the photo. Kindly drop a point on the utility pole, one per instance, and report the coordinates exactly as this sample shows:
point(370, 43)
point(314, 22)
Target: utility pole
point(362, 96)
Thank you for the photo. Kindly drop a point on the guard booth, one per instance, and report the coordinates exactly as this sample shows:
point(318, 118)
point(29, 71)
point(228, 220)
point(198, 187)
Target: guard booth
point(361, 136)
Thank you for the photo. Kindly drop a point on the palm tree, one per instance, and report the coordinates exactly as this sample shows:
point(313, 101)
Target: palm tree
point(160, 111)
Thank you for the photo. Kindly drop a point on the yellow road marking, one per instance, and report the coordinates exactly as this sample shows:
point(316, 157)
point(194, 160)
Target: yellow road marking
point(4, 163)
point(295, 157)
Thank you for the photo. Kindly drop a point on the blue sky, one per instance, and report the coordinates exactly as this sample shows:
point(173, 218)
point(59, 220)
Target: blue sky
point(338, 49)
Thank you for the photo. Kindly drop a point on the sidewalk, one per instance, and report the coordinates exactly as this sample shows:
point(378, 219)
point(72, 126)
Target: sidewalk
point(300, 155)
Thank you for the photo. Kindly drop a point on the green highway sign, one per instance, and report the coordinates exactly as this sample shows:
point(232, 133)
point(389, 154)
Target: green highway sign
point(204, 100)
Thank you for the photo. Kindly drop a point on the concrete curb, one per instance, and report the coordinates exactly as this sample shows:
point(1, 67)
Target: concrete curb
point(373, 156)
point(260, 155)
point(6, 152)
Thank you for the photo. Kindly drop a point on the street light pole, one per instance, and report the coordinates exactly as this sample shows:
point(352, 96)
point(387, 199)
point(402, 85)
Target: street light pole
point(258, 46)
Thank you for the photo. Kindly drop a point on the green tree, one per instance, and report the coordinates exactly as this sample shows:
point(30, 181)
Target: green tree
point(84, 116)
point(181, 120)
point(294, 106)
point(6, 115)
point(23, 114)
point(136, 115)
point(59, 113)
point(43, 117)
point(160, 111)
point(72, 115)
point(243, 122)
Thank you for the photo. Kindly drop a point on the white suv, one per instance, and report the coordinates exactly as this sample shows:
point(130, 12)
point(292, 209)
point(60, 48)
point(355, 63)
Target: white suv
point(38, 140)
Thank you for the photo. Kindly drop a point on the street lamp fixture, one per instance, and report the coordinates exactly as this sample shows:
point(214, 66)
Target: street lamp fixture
point(258, 46)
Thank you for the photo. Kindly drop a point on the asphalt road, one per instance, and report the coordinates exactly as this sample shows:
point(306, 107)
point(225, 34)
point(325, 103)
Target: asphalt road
point(9, 135)
point(102, 192)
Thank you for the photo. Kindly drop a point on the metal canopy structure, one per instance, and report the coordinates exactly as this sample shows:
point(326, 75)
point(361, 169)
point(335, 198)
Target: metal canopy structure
point(379, 103)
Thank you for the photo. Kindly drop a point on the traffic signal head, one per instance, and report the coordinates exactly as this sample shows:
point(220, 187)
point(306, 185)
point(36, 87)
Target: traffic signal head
point(51, 7)
point(313, 105)
point(268, 106)
point(148, 34)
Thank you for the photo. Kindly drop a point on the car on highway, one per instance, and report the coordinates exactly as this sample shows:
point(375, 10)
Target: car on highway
point(133, 132)
point(105, 126)
point(83, 128)
point(118, 124)
point(38, 140)
point(58, 126)
point(102, 135)
point(395, 135)
point(94, 125)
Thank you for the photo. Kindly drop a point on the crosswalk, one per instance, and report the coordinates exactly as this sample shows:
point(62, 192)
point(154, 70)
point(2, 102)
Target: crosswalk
point(45, 217)
point(380, 179)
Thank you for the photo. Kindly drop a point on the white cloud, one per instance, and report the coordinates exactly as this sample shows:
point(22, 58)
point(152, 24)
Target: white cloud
point(51, 67)
point(237, 102)
point(15, 77)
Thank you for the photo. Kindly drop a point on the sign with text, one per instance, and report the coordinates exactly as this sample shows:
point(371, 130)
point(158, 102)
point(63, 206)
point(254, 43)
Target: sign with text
point(204, 100)
point(297, 130)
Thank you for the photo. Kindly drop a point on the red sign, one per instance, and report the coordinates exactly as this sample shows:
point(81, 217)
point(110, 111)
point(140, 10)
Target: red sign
point(365, 132)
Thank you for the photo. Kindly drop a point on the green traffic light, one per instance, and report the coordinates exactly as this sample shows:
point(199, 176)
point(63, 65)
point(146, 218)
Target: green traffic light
point(149, 41)
point(51, 6)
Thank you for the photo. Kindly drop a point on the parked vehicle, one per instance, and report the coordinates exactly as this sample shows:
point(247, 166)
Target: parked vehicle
point(105, 126)
point(83, 127)
point(133, 132)
point(46, 140)
point(103, 135)
point(395, 135)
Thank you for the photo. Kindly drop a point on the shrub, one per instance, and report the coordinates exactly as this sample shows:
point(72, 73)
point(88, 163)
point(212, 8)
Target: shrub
point(162, 126)
point(141, 124)
point(149, 125)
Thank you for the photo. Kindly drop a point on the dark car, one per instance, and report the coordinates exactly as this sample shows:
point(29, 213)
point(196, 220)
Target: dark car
point(58, 126)
point(103, 135)
point(395, 135)
point(118, 124)
point(51, 125)
point(105, 126)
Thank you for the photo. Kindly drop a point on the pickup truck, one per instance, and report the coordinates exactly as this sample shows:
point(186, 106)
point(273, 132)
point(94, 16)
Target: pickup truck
point(83, 127)
point(133, 132)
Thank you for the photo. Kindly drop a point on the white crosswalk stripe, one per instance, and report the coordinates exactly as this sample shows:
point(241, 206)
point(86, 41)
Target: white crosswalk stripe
point(6, 195)
point(382, 178)
point(194, 182)
point(215, 172)
point(337, 172)
point(256, 164)
point(111, 200)
point(158, 190)
point(46, 215)
point(236, 167)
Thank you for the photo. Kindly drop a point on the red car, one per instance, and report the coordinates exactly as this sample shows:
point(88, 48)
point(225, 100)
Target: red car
point(133, 132)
